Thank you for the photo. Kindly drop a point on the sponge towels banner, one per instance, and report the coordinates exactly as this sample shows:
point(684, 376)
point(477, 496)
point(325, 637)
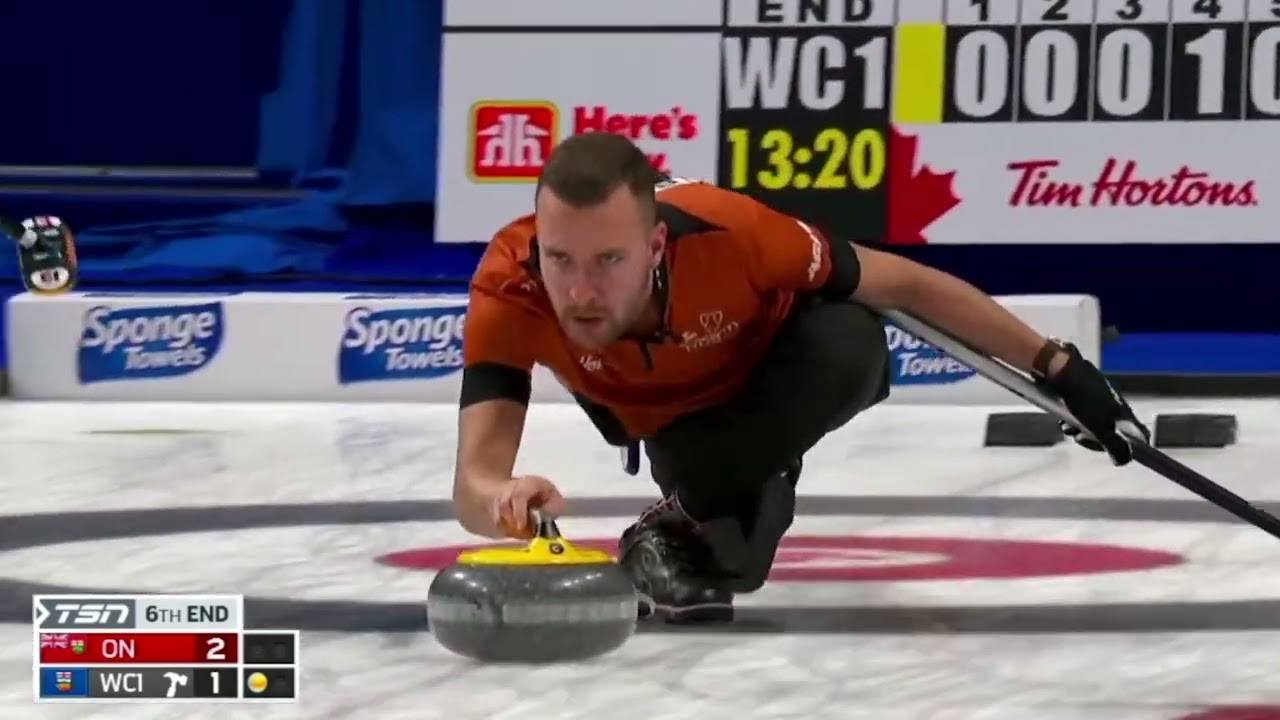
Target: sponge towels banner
point(341, 347)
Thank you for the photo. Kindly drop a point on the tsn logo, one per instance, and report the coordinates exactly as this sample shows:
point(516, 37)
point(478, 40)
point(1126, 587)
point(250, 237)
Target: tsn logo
point(71, 613)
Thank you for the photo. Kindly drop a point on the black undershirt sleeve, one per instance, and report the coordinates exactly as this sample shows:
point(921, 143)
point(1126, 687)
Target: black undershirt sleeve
point(494, 381)
point(846, 272)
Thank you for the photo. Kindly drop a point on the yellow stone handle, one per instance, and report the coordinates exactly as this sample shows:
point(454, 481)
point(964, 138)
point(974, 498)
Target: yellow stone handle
point(545, 528)
point(548, 547)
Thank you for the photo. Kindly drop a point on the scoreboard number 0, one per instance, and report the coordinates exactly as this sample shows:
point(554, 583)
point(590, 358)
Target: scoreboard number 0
point(1126, 59)
point(1262, 71)
point(979, 91)
point(1049, 87)
point(1053, 90)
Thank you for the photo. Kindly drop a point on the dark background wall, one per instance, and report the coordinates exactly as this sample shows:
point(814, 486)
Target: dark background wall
point(141, 82)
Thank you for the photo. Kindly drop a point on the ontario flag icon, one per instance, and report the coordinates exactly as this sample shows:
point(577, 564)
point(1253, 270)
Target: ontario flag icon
point(56, 641)
point(64, 682)
point(62, 647)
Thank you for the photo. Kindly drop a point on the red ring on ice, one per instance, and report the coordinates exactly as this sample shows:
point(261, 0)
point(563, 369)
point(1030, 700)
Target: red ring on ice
point(869, 559)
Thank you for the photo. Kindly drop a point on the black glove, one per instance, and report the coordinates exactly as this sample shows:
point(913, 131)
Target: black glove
point(1108, 421)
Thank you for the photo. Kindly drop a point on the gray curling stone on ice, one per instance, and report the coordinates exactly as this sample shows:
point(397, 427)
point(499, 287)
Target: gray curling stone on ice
point(547, 602)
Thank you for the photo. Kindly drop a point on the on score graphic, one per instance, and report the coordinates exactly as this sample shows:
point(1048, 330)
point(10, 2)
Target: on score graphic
point(167, 648)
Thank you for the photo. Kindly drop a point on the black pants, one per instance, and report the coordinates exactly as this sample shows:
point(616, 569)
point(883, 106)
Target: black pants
point(728, 463)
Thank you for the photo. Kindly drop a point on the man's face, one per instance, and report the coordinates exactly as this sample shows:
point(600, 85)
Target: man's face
point(597, 263)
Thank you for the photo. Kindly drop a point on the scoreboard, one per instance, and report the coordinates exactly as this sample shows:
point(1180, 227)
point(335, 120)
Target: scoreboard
point(815, 92)
point(906, 122)
point(1088, 60)
point(166, 648)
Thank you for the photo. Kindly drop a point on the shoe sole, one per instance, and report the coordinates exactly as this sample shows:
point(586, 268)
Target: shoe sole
point(686, 614)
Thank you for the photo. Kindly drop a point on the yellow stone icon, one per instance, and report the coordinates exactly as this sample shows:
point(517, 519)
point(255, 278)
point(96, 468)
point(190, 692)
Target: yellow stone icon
point(257, 682)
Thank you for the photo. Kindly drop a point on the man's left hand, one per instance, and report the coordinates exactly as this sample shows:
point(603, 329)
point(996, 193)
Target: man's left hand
point(1109, 422)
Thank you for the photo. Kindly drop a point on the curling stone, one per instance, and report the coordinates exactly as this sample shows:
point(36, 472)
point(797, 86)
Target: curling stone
point(547, 602)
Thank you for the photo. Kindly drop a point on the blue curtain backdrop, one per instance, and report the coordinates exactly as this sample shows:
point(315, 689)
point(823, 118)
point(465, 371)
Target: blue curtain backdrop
point(331, 106)
point(332, 102)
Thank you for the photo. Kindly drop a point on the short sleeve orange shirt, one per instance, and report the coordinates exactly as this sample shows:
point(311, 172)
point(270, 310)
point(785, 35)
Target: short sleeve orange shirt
point(732, 271)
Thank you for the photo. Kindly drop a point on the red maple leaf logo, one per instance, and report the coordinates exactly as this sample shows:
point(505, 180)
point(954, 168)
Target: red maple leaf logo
point(916, 200)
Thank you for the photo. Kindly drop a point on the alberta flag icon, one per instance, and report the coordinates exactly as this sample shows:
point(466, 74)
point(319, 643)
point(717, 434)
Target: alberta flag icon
point(64, 682)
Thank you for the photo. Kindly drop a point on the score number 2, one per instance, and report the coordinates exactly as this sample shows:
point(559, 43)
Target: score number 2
point(216, 650)
point(859, 160)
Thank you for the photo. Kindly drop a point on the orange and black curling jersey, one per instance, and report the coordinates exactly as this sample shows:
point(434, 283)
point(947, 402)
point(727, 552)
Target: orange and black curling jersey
point(731, 273)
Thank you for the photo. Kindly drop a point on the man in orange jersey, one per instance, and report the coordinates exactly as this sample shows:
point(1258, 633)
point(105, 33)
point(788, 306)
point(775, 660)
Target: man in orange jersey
point(726, 337)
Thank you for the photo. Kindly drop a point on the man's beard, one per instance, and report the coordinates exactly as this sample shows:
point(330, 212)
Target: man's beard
point(594, 329)
point(590, 328)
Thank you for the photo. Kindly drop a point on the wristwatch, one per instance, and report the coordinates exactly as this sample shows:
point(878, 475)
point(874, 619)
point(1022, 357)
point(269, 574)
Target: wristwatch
point(1040, 365)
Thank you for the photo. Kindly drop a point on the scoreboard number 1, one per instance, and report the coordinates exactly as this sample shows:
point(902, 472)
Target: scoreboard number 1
point(1210, 50)
point(217, 683)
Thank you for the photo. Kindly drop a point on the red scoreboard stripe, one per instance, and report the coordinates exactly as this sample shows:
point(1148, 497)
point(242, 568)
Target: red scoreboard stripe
point(127, 648)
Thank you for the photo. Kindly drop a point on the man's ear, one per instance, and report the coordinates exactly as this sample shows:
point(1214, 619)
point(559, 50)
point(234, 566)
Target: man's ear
point(658, 244)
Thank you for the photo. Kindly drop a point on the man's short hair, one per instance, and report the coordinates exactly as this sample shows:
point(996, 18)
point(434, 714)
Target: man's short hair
point(584, 170)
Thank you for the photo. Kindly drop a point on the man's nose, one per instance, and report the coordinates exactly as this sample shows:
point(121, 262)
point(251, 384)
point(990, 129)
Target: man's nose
point(582, 287)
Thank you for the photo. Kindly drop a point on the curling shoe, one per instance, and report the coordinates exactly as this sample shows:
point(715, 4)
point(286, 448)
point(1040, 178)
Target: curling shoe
point(673, 569)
